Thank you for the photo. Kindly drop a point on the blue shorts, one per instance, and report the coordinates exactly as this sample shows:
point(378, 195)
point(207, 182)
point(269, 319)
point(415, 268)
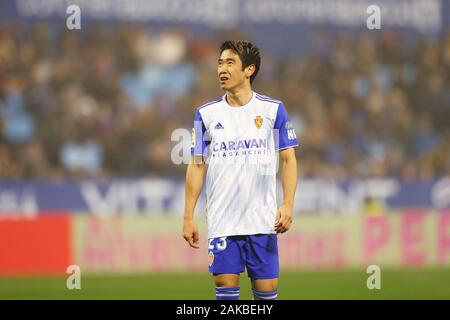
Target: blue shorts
point(258, 253)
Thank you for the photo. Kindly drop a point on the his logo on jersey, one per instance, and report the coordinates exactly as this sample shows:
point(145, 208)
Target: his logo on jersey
point(193, 138)
point(291, 134)
point(218, 126)
point(210, 258)
point(258, 121)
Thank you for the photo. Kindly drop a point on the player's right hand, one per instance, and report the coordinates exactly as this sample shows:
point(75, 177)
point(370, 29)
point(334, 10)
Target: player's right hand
point(190, 233)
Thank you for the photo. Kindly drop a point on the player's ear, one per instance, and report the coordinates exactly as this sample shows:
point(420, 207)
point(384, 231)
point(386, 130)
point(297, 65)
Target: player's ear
point(249, 70)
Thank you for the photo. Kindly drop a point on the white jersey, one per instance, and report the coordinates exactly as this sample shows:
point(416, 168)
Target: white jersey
point(239, 145)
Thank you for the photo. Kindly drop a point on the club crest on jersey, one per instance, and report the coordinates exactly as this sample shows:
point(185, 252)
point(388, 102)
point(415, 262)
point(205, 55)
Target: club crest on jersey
point(210, 258)
point(258, 121)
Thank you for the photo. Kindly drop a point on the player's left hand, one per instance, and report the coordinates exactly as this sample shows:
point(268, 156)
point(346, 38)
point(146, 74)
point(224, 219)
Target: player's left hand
point(284, 219)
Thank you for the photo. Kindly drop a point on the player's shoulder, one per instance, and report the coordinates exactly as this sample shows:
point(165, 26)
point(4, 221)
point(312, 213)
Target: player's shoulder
point(272, 106)
point(209, 105)
point(267, 99)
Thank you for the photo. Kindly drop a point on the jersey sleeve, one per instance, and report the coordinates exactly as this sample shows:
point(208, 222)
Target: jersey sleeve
point(200, 139)
point(284, 134)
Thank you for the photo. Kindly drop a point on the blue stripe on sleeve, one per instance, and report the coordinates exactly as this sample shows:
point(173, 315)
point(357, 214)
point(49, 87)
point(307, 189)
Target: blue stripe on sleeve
point(285, 136)
point(199, 135)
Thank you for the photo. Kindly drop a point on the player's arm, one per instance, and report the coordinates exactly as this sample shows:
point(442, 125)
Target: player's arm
point(288, 164)
point(195, 174)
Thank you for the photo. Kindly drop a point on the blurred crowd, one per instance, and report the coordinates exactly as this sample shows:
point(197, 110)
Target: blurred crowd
point(104, 102)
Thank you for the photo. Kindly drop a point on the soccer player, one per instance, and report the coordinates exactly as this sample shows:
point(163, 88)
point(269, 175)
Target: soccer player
point(235, 140)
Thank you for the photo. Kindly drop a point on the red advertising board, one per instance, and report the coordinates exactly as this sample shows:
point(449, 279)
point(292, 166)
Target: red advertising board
point(35, 246)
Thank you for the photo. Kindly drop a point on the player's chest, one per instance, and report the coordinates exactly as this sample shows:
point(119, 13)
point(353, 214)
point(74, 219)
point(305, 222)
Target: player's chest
point(236, 124)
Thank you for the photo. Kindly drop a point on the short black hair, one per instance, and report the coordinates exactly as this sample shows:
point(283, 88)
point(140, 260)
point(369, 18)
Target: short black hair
point(247, 52)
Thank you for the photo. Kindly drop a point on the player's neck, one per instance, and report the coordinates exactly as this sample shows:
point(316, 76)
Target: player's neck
point(239, 98)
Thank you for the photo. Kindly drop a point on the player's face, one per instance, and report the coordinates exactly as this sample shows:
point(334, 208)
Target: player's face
point(230, 70)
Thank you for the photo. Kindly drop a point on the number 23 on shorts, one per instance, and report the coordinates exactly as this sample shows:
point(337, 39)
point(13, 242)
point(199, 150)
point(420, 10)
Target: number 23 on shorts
point(221, 244)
